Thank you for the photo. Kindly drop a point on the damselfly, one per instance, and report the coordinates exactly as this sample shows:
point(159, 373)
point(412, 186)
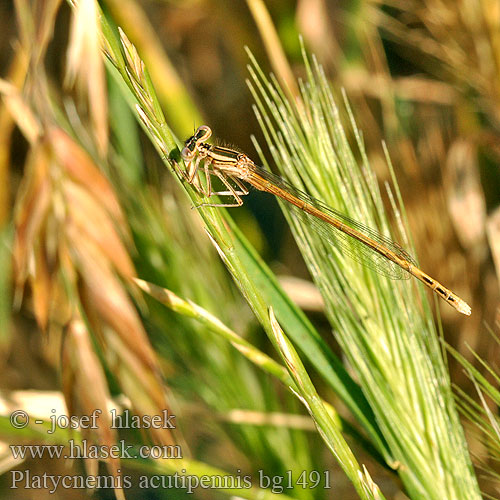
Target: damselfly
point(363, 244)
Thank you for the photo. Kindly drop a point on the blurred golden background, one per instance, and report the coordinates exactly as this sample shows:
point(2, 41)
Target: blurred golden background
point(422, 76)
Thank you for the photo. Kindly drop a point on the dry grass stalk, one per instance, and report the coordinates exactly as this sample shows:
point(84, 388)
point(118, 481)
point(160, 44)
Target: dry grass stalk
point(71, 240)
point(85, 67)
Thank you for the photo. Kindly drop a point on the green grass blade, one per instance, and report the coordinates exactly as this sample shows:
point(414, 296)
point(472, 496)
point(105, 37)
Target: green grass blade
point(327, 426)
point(388, 338)
point(250, 274)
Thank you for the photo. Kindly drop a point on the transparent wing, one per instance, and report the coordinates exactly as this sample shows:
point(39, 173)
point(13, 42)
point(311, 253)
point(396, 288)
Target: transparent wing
point(346, 244)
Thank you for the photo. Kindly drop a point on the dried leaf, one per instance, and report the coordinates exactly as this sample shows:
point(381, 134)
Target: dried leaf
point(493, 231)
point(94, 223)
point(16, 74)
point(41, 284)
point(85, 66)
point(31, 209)
point(103, 293)
point(45, 29)
point(465, 196)
point(80, 167)
point(20, 111)
point(142, 385)
point(85, 388)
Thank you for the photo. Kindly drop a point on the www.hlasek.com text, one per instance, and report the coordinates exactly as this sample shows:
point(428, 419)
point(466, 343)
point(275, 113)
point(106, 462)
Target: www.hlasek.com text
point(83, 449)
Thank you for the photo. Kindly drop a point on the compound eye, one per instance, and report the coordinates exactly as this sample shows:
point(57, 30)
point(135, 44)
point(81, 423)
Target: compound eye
point(186, 153)
point(203, 133)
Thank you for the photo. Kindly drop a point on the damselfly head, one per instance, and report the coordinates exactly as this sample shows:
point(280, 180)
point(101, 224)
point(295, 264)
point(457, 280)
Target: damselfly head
point(190, 146)
point(203, 133)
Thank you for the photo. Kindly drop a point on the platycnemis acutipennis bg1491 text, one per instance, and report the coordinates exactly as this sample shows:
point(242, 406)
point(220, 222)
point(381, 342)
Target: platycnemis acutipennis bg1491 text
point(235, 169)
